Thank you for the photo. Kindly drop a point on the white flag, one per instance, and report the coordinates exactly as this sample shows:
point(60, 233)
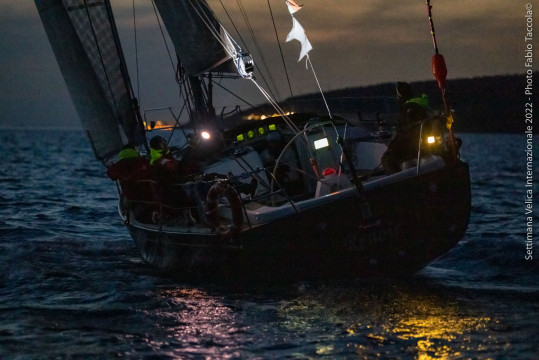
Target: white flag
point(297, 33)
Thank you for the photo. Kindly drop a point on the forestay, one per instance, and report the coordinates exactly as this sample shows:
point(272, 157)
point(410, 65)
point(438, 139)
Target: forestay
point(84, 39)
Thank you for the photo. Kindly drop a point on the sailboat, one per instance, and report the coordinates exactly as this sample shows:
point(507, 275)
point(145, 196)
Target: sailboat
point(324, 206)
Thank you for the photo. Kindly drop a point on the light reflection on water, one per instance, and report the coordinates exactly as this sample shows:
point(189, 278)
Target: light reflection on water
point(189, 321)
point(424, 328)
point(399, 322)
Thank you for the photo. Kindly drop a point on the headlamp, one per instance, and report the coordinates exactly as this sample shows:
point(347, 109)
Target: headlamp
point(205, 135)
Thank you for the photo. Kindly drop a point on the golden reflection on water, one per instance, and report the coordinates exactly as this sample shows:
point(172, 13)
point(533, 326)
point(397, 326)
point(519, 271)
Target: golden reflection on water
point(425, 326)
point(380, 322)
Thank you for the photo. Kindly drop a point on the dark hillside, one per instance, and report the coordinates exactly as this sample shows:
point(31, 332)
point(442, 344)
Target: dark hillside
point(484, 104)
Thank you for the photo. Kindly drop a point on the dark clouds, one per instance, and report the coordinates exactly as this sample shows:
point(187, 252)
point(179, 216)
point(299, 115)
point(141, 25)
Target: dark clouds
point(355, 43)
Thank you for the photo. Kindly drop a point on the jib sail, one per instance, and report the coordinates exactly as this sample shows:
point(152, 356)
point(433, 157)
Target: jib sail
point(84, 39)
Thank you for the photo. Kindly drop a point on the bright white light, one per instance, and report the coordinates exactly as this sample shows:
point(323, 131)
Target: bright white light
point(205, 135)
point(321, 143)
point(430, 139)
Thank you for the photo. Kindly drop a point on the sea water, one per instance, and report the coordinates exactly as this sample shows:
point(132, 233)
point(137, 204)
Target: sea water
point(72, 285)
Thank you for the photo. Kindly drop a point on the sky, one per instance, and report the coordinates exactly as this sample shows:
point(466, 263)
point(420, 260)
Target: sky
point(355, 43)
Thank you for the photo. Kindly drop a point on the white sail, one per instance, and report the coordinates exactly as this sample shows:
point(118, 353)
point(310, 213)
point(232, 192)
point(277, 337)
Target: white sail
point(84, 40)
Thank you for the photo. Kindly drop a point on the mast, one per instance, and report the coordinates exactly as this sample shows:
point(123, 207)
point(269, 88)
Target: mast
point(204, 49)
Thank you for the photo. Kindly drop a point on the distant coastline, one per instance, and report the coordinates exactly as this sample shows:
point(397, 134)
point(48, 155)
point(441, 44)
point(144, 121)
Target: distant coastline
point(490, 104)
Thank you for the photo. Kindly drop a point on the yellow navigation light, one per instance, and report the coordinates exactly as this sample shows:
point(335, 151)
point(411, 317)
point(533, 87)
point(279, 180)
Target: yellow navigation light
point(430, 139)
point(272, 127)
point(321, 143)
point(250, 134)
point(240, 137)
point(263, 117)
point(261, 131)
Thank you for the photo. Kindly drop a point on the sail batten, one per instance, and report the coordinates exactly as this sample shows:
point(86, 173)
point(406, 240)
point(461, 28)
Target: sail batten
point(81, 33)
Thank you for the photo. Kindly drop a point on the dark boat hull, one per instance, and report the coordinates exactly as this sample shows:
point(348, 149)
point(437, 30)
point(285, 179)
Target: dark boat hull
point(413, 222)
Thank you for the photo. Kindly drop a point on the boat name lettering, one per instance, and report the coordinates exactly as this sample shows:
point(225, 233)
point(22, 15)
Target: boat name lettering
point(362, 240)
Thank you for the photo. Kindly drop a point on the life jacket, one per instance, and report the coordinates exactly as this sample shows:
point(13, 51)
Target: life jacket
point(134, 175)
point(128, 153)
point(155, 155)
point(422, 101)
point(414, 110)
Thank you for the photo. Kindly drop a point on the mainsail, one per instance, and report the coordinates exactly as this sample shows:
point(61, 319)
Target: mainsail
point(84, 39)
point(200, 42)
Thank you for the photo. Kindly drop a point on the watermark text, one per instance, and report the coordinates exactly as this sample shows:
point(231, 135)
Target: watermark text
point(528, 126)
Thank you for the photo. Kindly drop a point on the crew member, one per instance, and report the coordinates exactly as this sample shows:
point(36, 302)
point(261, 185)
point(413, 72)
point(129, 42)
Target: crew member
point(133, 173)
point(170, 175)
point(404, 145)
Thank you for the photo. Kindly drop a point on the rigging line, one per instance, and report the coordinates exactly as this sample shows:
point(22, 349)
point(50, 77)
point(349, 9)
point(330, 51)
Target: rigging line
point(163, 35)
point(245, 43)
point(102, 62)
point(215, 32)
point(320, 88)
point(262, 90)
point(259, 50)
point(277, 108)
point(187, 96)
point(125, 75)
point(136, 50)
point(344, 141)
point(280, 50)
point(186, 93)
point(174, 68)
point(207, 21)
point(233, 24)
point(176, 121)
point(231, 93)
point(281, 113)
point(186, 105)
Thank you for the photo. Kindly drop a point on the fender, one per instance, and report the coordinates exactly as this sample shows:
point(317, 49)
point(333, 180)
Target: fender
point(218, 190)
